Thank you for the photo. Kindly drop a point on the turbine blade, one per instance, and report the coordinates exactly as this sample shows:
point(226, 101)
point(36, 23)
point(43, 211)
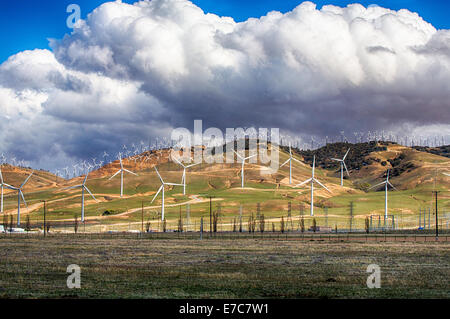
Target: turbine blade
point(303, 183)
point(250, 157)
point(85, 179)
point(238, 154)
point(1, 175)
point(130, 172)
point(285, 163)
point(114, 175)
point(336, 159)
point(10, 187)
point(160, 178)
point(297, 160)
point(346, 168)
point(72, 187)
point(173, 184)
point(392, 186)
point(192, 165)
point(382, 183)
point(176, 160)
point(322, 185)
point(90, 193)
point(157, 193)
point(446, 174)
point(346, 155)
point(23, 198)
point(26, 181)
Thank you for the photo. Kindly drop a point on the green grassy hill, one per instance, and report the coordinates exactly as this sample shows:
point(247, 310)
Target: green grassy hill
point(415, 174)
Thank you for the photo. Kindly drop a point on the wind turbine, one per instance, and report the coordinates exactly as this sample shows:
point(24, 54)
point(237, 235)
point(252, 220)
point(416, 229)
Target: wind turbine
point(121, 170)
point(19, 195)
point(313, 180)
point(290, 163)
point(3, 185)
point(243, 164)
point(386, 183)
point(83, 188)
point(162, 189)
point(342, 162)
point(183, 179)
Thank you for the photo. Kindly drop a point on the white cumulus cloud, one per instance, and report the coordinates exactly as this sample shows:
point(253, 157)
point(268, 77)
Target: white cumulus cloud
point(134, 71)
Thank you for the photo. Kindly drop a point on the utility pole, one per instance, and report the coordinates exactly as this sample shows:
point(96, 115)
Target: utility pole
point(210, 215)
point(437, 227)
point(45, 223)
point(142, 218)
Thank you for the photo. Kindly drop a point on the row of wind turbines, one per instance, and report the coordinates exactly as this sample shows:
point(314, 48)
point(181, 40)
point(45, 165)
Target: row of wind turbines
point(183, 183)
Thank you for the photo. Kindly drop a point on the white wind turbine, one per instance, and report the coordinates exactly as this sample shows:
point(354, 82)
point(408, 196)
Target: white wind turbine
point(83, 188)
point(386, 183)
point(313, 180)
point(243, 164)
point(163, 184)
point(19, 195)
point(342, 162)
point(183, 178)
point(121, 170)
point(290, 163)
point(3, 185)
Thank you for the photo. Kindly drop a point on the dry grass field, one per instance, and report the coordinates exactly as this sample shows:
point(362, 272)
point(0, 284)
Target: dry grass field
point(131, 267)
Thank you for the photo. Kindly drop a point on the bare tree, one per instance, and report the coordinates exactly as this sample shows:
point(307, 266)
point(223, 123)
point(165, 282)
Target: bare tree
point(180, 223)
point(147, 225)
point(367, 225)
point(28, 224)
point(11, 222)
point(262, 223)
point(240, 224)
point(282, 225)
point(314, 225)
point(75, 224)
point(302, 224)
point(5, 222)
point(164, 225)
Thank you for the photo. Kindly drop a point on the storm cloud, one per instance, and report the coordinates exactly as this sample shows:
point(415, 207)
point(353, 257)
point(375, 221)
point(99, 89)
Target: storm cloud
point(130, 72)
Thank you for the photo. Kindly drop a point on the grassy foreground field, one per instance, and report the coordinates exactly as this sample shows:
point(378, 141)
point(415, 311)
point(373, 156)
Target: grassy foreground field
point(128, 267)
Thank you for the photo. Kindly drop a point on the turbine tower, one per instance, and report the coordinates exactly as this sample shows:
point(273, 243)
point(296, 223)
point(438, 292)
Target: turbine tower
point(342, 162)
point(83, 188)
point(121, 170)
point(290, 163)
point(183, 178)
point(313, 180)
point(386, 183)
point(19, 195)
point(243, 164)
point(162, 189)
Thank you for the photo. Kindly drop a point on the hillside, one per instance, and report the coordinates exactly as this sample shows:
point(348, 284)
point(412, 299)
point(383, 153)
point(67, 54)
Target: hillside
point(441, 150)
point(368, 163)
point(40, 180)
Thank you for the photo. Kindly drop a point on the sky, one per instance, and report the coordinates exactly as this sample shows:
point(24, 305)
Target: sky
point(131, 72)
point(30, 23)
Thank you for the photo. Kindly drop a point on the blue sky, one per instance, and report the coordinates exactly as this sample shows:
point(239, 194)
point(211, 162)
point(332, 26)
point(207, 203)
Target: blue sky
point(27, 24)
